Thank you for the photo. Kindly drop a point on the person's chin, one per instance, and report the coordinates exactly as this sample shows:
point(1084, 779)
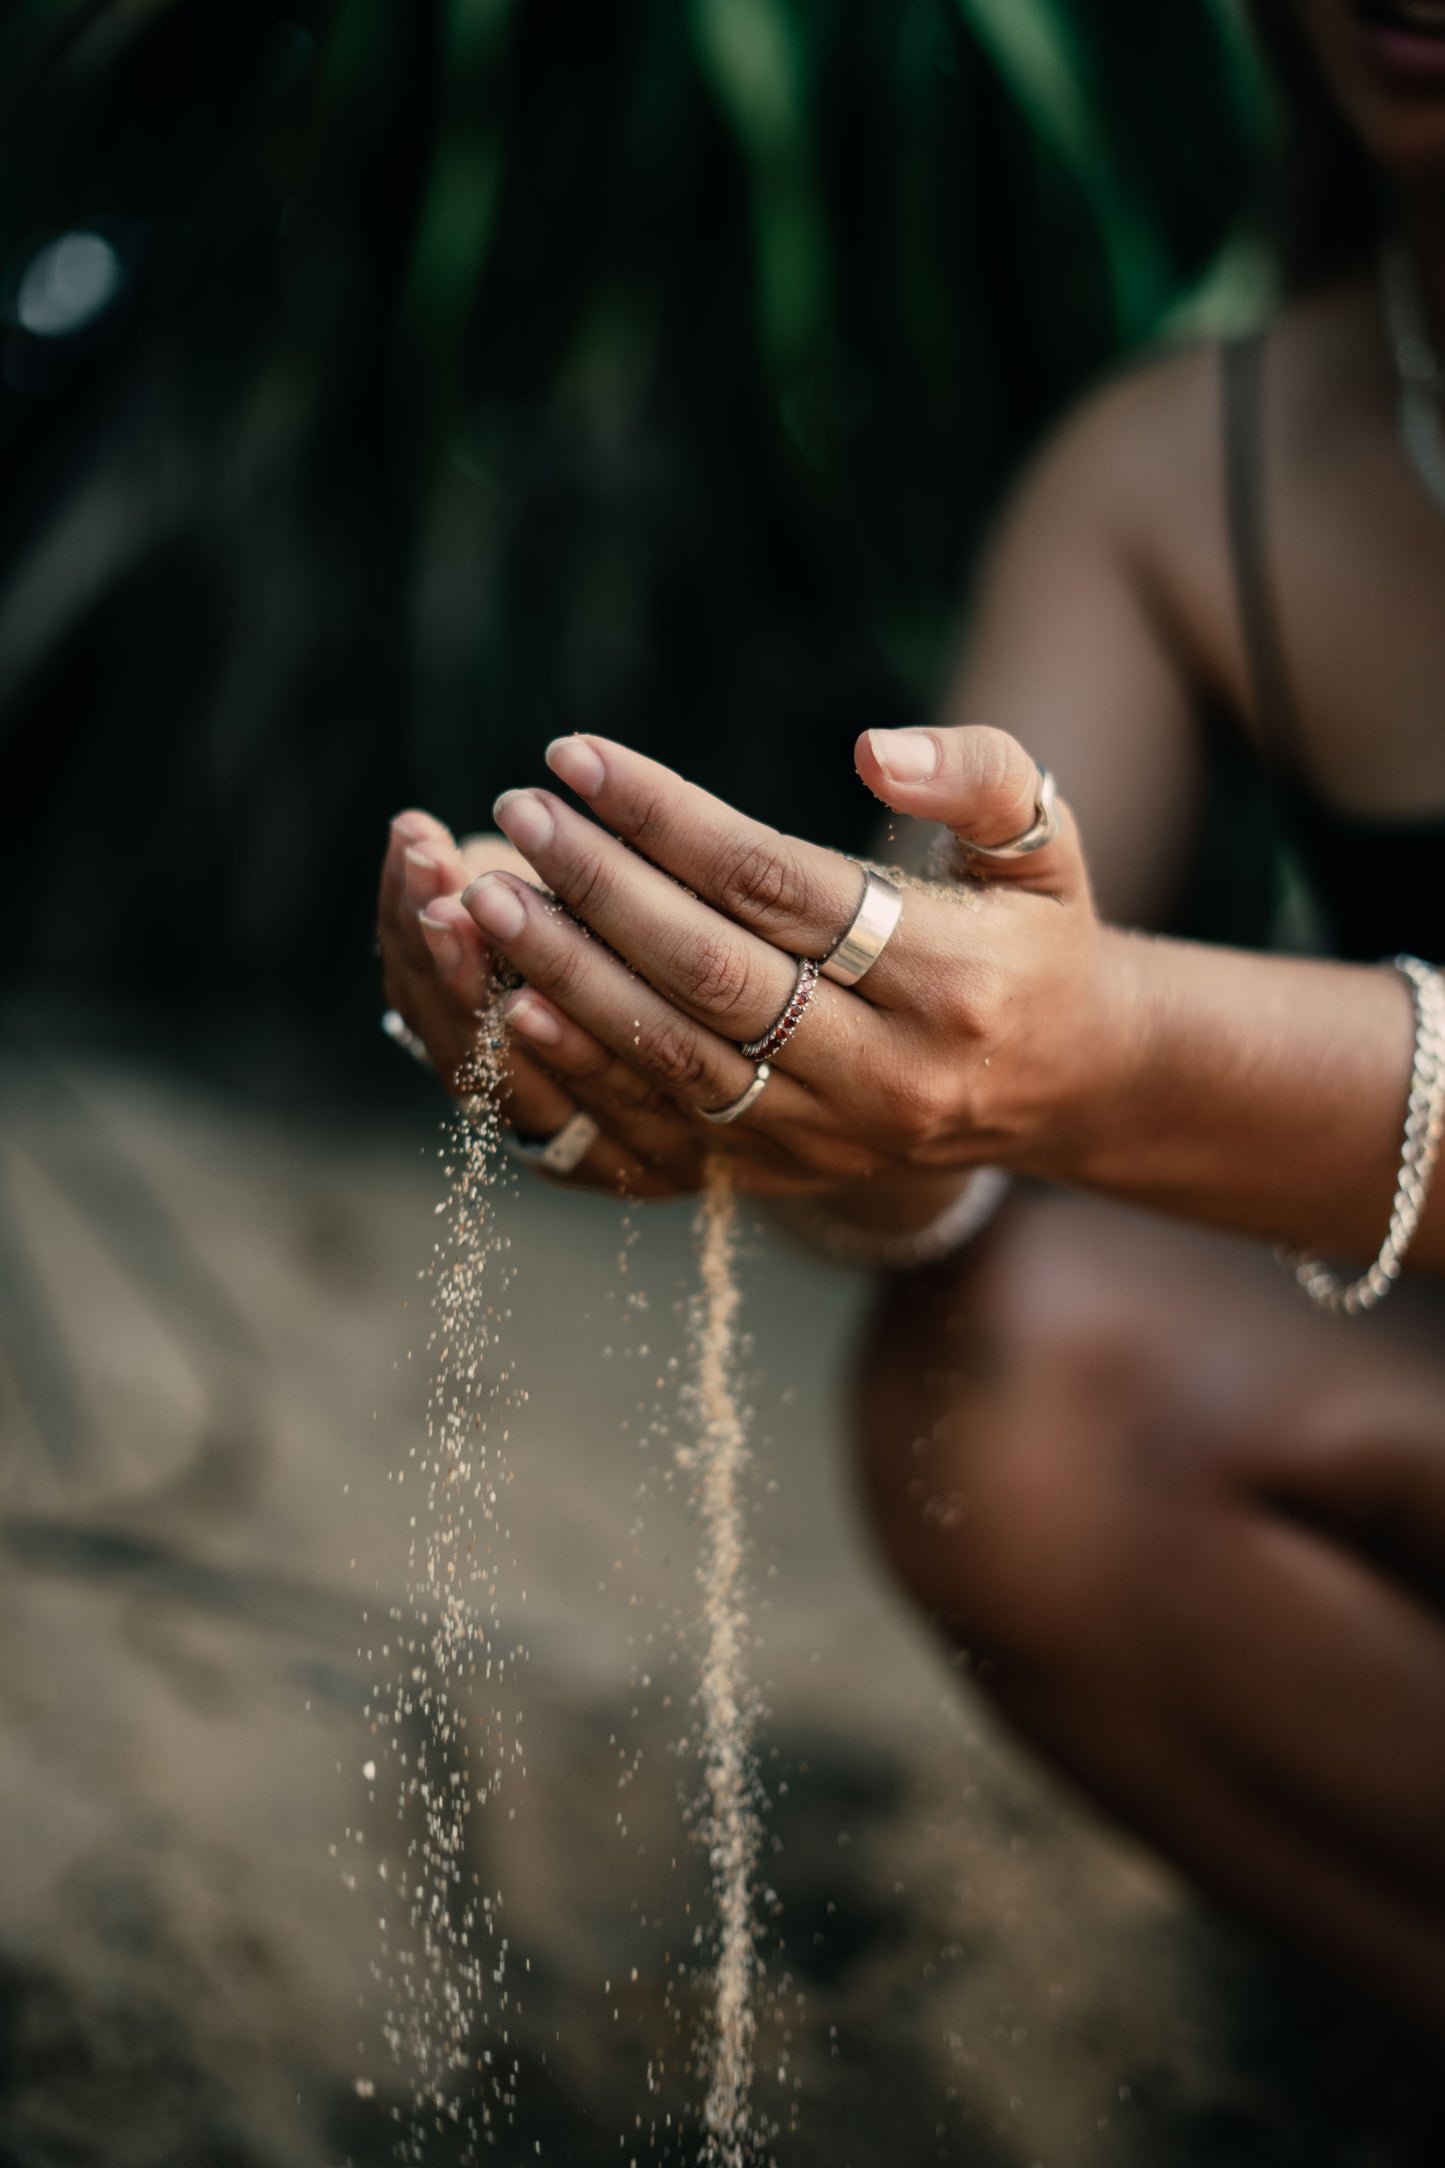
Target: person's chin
point(1407, 138)
point(1399, 83)
point(1402, 43)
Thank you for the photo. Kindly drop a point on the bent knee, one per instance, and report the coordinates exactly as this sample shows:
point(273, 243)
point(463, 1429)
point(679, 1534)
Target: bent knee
point(1055, 1452)
point(1016, 1491)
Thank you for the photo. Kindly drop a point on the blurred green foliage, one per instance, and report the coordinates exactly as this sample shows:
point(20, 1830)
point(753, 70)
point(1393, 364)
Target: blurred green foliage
point(476, 370)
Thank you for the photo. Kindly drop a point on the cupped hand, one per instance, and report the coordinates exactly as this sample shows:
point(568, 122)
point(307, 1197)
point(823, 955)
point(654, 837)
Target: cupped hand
point(437, 973)
point(984, 1032)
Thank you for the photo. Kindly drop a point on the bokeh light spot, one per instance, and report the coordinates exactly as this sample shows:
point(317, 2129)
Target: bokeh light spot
point(67, 284)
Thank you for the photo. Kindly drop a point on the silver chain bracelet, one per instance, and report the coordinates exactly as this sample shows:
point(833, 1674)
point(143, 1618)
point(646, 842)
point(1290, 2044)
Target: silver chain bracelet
point(1424, 1122)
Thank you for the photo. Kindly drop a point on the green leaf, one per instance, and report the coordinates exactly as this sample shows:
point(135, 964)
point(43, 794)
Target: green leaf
point(749, 52)
point(1037, 49)
point(461, 197)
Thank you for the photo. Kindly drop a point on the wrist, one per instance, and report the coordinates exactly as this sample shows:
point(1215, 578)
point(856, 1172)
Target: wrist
point(1221, 1082)
point(1101, 1091)
point(900, 1201)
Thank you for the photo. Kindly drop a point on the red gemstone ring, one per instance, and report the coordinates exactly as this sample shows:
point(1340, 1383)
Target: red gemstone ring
point(776, 1037)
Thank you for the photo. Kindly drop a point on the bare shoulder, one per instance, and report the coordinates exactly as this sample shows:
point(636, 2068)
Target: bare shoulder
point(1141, 457)
point(1135, 451)
point(1072, 644)
point(1131, 481)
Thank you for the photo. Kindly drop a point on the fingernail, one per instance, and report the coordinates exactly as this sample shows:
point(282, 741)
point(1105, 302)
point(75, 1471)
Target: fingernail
point(525, 1013)
point(416, 825)
point(579, 765)
point(905, 756)
point(442, 941)
point(525, 819)
point(496, 907)
point(417, 855)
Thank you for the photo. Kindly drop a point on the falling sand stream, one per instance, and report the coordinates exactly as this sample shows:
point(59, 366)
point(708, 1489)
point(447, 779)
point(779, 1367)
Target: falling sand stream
point(733, 1825)
point(446, 1718)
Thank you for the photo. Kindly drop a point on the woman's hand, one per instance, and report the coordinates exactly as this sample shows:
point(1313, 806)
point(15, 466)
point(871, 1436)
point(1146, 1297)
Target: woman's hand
point(435, 968)
point(437, 971)
point(985, 1031)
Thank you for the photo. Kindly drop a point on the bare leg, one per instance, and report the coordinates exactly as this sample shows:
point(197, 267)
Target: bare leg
point(1195, 1538)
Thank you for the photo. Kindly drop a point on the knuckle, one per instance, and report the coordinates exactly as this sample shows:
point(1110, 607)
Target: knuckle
point(712, 974)
point(676, 1056)
point(589, 882)
point(562, 974)
point(631, 1095)
point(1000, 776)
point(642, 817)
point(915, 1111)
point(591, 1061)
point(754, 883)
point(975, 1000)
point(993, 755)
point(645, 1100)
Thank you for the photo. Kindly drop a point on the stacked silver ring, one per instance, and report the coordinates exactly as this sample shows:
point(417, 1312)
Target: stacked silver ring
point(1043, 829)
point(777, 1035)
point(950, 856)
point(855, 951)
point(721, 1116)
point(869, 931)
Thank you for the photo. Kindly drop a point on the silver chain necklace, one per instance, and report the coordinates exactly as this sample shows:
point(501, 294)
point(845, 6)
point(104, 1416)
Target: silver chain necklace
point(1419, 376)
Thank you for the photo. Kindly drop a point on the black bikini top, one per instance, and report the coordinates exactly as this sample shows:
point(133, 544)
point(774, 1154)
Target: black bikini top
point(1379, 884)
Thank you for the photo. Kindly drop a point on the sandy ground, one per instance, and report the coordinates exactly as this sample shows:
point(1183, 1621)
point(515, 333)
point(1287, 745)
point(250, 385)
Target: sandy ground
point(212, 1368)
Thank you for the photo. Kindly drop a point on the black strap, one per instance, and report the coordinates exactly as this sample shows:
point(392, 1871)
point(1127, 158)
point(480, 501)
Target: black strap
point(1242, 393)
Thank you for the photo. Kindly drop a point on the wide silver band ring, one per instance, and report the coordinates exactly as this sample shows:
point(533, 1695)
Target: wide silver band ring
point(744, 1100)
point(1044, 829)
point(562, 1152)
point(399, 1031)
point(873, 925)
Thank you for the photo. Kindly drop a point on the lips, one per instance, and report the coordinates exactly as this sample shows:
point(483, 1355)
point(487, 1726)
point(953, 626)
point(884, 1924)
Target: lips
point(1404, 42)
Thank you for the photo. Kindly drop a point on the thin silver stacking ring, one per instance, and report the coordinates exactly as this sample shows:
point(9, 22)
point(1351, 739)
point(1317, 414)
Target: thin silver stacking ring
point(1043, 829)
point(873, 925)
point(564, 1151)
point(744, 1100)
point(777, 1035)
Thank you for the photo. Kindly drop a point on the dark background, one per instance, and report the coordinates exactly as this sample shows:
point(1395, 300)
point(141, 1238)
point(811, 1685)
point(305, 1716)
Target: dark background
point(451, 375)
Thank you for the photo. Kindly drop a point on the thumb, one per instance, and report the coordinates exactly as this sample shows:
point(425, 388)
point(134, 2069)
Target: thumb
point(985, 787)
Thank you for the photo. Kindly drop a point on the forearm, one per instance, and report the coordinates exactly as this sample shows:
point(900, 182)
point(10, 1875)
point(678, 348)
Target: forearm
point(1263, 1093)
